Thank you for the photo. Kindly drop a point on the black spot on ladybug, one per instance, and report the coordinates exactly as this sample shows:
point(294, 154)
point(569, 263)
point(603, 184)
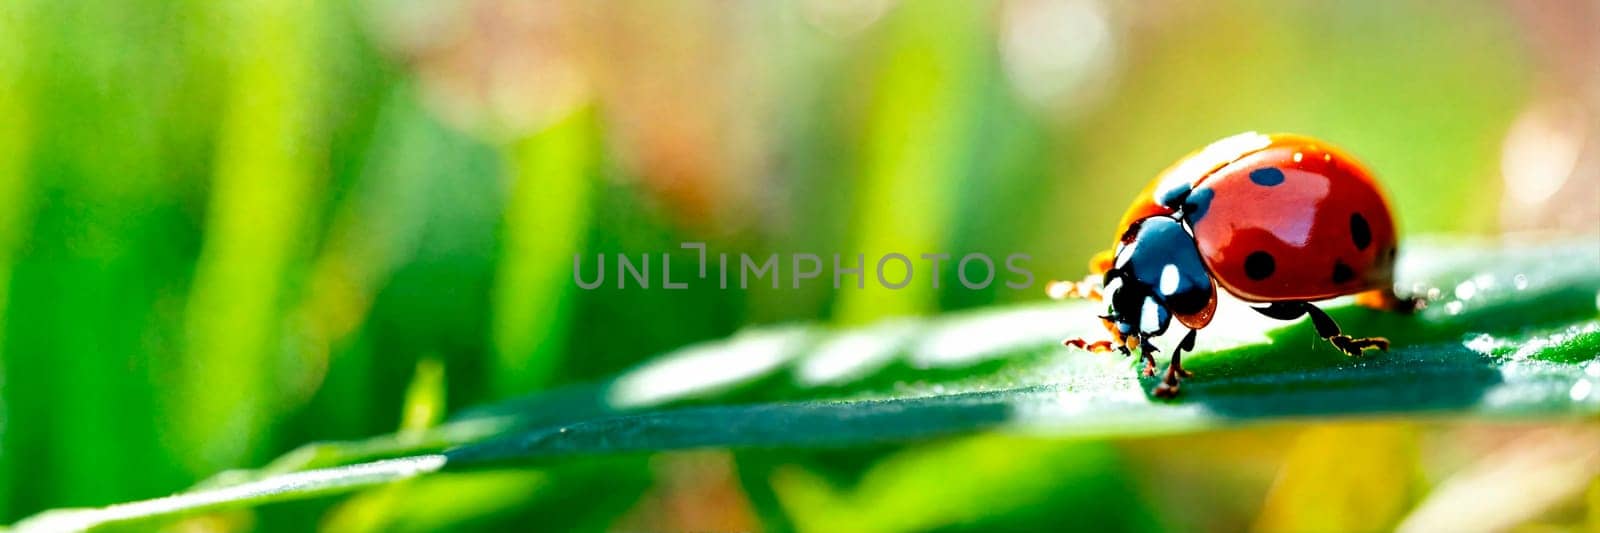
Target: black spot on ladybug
point(1342, 272)
point(1196, 205)
point(1266, 176)
point(1360, 232)
point(1174, 197)
point(1259, 265)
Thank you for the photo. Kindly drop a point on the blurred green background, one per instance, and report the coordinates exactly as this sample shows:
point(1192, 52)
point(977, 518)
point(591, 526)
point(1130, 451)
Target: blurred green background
point(229, 228)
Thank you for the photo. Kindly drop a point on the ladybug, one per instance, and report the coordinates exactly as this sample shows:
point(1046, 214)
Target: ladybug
point(1279, 221)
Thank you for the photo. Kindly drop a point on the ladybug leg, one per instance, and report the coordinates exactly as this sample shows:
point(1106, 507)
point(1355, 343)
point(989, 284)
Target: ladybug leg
point(1146, 353)
point(1093, 347)
point(1176, 366)
point(1149, 357)
point(1169, 382)
point(1175, 372)
point(1354, 346)
point(1088, 289)
point(1325, 325)
point(1287, 311)
point(1329, 329)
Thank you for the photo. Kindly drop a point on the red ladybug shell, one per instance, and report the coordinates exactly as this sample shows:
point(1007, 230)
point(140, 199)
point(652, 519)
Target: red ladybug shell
point(1280, 217)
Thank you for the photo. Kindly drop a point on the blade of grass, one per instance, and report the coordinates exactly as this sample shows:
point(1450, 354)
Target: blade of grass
point(14, 141)
point(544, 227)
point(293, 485)
point(914, 143)
point(257, 219)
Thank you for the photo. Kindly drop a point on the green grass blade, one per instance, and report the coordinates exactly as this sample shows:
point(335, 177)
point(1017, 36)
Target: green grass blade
point(294, 485)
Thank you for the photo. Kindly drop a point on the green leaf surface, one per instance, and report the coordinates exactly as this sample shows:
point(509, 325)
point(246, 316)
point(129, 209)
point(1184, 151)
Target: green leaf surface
point(1512, 333)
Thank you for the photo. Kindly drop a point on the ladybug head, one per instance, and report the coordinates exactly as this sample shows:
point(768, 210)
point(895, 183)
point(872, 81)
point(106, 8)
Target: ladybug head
point(1156, 275)
point(1132, 312)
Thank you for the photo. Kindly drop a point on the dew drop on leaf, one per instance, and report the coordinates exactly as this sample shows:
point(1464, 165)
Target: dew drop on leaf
point(1581, 390)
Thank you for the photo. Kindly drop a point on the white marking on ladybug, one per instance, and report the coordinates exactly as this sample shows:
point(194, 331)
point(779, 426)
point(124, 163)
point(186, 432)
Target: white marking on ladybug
point(1108, 294)
point(1150, 316)
point(1126, 254)
point(1210, 158)
point(1169, 280)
